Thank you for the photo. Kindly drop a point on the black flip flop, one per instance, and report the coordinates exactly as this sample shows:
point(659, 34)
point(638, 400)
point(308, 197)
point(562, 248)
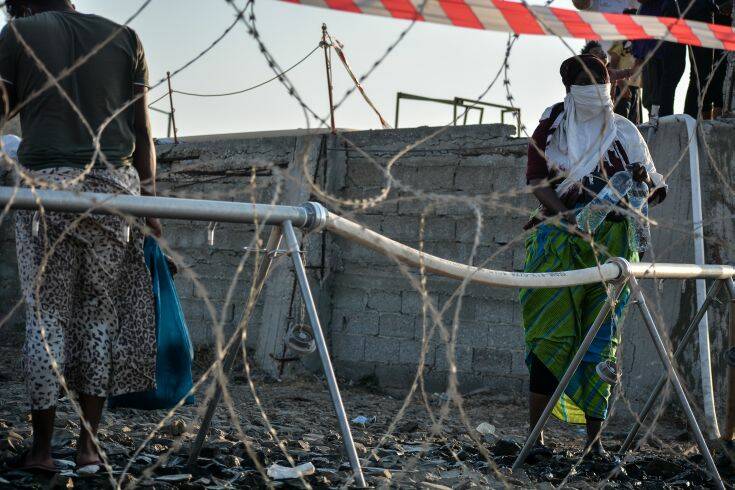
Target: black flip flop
point(18, 463)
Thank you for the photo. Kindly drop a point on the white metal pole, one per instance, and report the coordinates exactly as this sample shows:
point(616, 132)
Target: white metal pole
point(321, 345)
point(688, 334)
point(674, 377)
point(155, 207)
point(705, 360)
point(228, 362)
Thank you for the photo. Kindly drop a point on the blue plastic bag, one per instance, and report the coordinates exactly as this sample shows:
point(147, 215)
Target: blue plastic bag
point(175, 352)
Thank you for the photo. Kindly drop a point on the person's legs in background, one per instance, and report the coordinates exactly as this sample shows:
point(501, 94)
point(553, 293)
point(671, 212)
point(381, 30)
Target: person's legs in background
point(91, 406)
point(94, 336)
point(673, 65)
point(634, 114)
point(49, 296)
point(715, 91)
point(622, 101)
point(542, 385)
point(697, 103)
point(706, 84)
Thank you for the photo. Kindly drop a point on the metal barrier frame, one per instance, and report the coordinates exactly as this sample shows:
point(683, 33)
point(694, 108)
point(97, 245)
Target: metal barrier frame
point(313, 217)
point(469, 104)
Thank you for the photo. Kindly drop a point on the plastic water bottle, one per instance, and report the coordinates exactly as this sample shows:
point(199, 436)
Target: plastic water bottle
point(590, 217)
point(639, 231)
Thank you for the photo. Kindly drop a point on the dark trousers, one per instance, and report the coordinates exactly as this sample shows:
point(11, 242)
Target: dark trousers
point(630, 107)
point(705, 81)
point(661, 75)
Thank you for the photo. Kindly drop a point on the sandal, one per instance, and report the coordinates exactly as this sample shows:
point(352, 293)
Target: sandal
point(18, 463)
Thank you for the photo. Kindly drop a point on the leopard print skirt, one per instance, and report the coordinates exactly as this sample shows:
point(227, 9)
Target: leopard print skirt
point(90, 314)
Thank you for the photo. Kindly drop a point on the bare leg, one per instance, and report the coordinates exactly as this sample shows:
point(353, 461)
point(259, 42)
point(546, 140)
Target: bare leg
point(92, 410)
point(594, 441)
point(536, 405)
point(43, 431)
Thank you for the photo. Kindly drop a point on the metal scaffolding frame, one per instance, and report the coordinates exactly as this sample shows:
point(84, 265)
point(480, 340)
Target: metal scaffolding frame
point(463, 103)
point(313, 217)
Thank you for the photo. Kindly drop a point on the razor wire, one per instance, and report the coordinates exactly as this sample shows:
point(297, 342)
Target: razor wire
point(448, 329)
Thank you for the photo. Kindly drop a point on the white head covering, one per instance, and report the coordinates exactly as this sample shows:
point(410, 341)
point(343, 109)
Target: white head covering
point(587, 130)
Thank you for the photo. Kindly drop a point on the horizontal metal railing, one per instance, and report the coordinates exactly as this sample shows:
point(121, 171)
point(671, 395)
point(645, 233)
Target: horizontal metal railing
point(313, 215)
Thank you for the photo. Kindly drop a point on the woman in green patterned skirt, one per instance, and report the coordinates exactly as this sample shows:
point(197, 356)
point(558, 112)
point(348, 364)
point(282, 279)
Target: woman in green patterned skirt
point(578, 145)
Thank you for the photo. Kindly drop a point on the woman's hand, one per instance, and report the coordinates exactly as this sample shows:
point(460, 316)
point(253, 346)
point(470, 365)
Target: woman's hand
point(640, 174)
point(155, 226)
point(551, 201)
point(570, 217)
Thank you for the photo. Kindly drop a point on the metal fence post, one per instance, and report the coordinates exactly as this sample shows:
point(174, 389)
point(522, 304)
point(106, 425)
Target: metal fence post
point(690, 331)
point(666, 359)
point(228, 363)
point(292, 244)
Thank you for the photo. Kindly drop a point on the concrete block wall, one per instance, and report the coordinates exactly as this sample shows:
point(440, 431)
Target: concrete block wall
point(244, 170)
point(369, 306)
point(377, 328)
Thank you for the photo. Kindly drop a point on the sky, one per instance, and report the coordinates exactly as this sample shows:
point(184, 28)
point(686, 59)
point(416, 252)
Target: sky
point(433, 60)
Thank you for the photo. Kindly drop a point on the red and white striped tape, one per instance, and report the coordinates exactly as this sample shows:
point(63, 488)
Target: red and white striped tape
point(501, 15)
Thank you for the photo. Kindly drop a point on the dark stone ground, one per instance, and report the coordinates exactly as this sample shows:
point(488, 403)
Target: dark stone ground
point(417, 454)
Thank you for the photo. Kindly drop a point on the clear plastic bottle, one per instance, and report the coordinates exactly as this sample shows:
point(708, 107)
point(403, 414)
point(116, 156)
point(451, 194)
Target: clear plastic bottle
point(639, 231)
point(594, 213)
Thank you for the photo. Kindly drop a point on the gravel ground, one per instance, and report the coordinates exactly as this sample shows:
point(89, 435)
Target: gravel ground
point(417, 454)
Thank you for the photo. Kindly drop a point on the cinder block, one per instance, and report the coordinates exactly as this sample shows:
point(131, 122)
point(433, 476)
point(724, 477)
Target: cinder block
point(354, 254)
point(348, 347)
point(353, 370)
point(477, 180)
point(395, 376)
point(509, 337)
point(519, 362)
point(473, 334)
point(490, 161)
point(491, 360)
point(413, 206)
point(410, 353)
point(447, 206)
point(488, 311)
point(463, 358)
point(217, 289)
point(396, 325)
point(364, 173)
point(401, 227)
point(381, 350)
point(467, 231)
point(360, 322)
point(349, 298)
point(513, 386)
point(433, 337)
point(439, 229)
point(384, 301)
point(412, 303)
point(435, 178)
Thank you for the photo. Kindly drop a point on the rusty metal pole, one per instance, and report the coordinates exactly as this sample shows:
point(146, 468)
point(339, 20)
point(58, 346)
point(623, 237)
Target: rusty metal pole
point(328, 63)
point(729, 433)
point(171, 101)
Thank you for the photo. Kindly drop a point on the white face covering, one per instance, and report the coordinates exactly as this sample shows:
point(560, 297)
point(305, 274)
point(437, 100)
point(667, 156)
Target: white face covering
point(587, 130)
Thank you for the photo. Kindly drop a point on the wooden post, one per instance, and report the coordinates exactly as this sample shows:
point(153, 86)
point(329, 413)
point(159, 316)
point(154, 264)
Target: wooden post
point(328, 63)
point(171, 101)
